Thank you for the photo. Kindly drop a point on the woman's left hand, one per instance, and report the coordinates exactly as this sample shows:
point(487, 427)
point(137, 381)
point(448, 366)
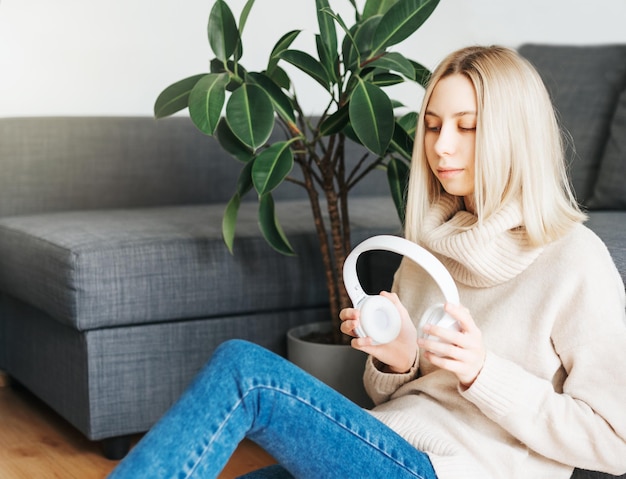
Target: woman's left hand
point(460, 352)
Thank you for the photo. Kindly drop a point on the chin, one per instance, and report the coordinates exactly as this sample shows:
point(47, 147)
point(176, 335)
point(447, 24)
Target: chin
point(460, 192)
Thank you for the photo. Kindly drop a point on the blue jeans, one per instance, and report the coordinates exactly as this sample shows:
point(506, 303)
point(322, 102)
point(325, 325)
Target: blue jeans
point(309, 428)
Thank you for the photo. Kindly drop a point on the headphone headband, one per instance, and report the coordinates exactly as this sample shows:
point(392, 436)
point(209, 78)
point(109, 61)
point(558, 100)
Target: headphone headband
point(404, 247)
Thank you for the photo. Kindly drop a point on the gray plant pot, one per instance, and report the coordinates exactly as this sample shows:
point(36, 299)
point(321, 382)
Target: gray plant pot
point(339, 366)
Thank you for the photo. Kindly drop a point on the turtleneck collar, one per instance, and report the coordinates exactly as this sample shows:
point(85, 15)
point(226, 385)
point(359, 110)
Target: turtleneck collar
point(478, 255)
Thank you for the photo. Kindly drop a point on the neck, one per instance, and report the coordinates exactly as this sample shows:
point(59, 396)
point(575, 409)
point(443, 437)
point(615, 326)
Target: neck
point(470, 205)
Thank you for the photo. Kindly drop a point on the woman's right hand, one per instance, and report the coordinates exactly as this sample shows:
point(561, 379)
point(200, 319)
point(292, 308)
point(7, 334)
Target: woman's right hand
point(399, 355)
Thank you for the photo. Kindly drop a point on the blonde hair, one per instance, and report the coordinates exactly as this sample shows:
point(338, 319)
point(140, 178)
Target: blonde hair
point(519, 148)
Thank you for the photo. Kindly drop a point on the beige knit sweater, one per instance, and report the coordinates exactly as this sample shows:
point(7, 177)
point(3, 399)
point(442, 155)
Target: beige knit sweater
point(552, 393)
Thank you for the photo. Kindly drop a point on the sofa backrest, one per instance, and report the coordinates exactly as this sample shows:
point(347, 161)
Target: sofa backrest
point(80, 163)
point(65, 163)
point(585, 83)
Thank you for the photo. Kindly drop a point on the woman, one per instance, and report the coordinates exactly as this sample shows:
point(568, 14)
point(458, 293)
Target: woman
point(527, 388)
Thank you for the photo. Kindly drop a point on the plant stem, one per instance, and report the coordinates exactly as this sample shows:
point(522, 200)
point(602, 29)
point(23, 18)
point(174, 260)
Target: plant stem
point(338, 215)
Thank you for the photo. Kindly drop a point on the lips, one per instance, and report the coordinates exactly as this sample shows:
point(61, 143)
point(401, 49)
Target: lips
point(448, 172)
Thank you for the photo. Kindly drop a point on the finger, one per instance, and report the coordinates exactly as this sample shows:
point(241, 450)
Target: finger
point(461, 314)
point(470, 335)
point(444, 362)
point(393, 297)
point(363, 344)
point(445, 335)
point(348, 327)
point(465, 370)
point(348, 314)
point(450, 358)
point(439, 348)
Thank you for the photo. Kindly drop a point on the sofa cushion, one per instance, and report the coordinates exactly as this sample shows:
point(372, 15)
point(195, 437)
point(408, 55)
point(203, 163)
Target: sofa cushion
point(585, 83)
point(83, 163)
point(610, 226)
point(106, 268)
point(71, 163)
point(610, 189)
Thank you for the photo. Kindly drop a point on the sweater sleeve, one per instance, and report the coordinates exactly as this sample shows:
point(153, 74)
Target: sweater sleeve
point(581, 422)
point(380, 385)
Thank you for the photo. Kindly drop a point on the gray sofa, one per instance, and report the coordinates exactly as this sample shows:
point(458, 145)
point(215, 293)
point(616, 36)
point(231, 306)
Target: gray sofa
point(115, 283)
point(115, 286)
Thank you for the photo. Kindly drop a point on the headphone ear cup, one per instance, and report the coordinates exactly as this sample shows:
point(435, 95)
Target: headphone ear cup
point(436, 315)
point(379, 319)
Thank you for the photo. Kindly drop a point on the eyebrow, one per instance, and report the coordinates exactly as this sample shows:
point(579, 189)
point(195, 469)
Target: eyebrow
point(456, 115)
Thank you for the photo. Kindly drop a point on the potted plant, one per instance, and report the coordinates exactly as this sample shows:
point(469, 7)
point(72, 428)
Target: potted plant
point(353, 65)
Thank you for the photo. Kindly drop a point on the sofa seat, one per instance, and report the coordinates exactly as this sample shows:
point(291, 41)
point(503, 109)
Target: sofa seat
point(112, 312)
point(111, 268)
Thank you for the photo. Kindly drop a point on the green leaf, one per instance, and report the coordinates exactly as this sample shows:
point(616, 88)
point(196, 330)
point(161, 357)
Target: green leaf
point(349, 50)
point(231, 144)
point(207, 100)
point(222, 30)
point(340, 21)
point(348, 131)
point(386, 79)
point(401, 21)
point(244, 182)
point(326, 24)
point(402, 142)
point(396, 62)
point(250, 115)
point(361, 45)
point(377, 7)
point(422, 74)
point(308, 65)
point(408, 122)
point(328, 33)
point(175, 97)
point(236, 80)
point(270, 227)
point(282, 44)
point(280, 77)
point(371, 116)
point(272, 166)
point(335, 122)
point(243, 18)
point(282, 104)
point(229, 221)
point(398, 178)
point(330, 61)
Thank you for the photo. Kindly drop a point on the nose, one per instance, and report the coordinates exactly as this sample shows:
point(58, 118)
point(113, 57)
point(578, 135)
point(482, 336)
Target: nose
point(446, 141)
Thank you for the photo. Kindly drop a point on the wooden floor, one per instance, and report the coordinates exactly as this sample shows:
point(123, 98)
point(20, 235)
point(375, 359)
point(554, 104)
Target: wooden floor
point(36, 443)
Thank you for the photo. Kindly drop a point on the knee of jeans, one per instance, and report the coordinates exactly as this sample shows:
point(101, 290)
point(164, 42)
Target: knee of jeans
point(239, 354)
point(249, 363)
point(233, 349)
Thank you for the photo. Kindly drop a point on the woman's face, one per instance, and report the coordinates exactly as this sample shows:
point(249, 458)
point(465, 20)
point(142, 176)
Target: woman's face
point(450, 135)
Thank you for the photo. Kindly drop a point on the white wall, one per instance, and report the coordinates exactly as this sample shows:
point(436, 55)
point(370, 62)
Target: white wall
point(82, 57)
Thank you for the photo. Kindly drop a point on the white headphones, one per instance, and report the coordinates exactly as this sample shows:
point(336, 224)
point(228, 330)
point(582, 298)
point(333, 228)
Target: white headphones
point(379, 318)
